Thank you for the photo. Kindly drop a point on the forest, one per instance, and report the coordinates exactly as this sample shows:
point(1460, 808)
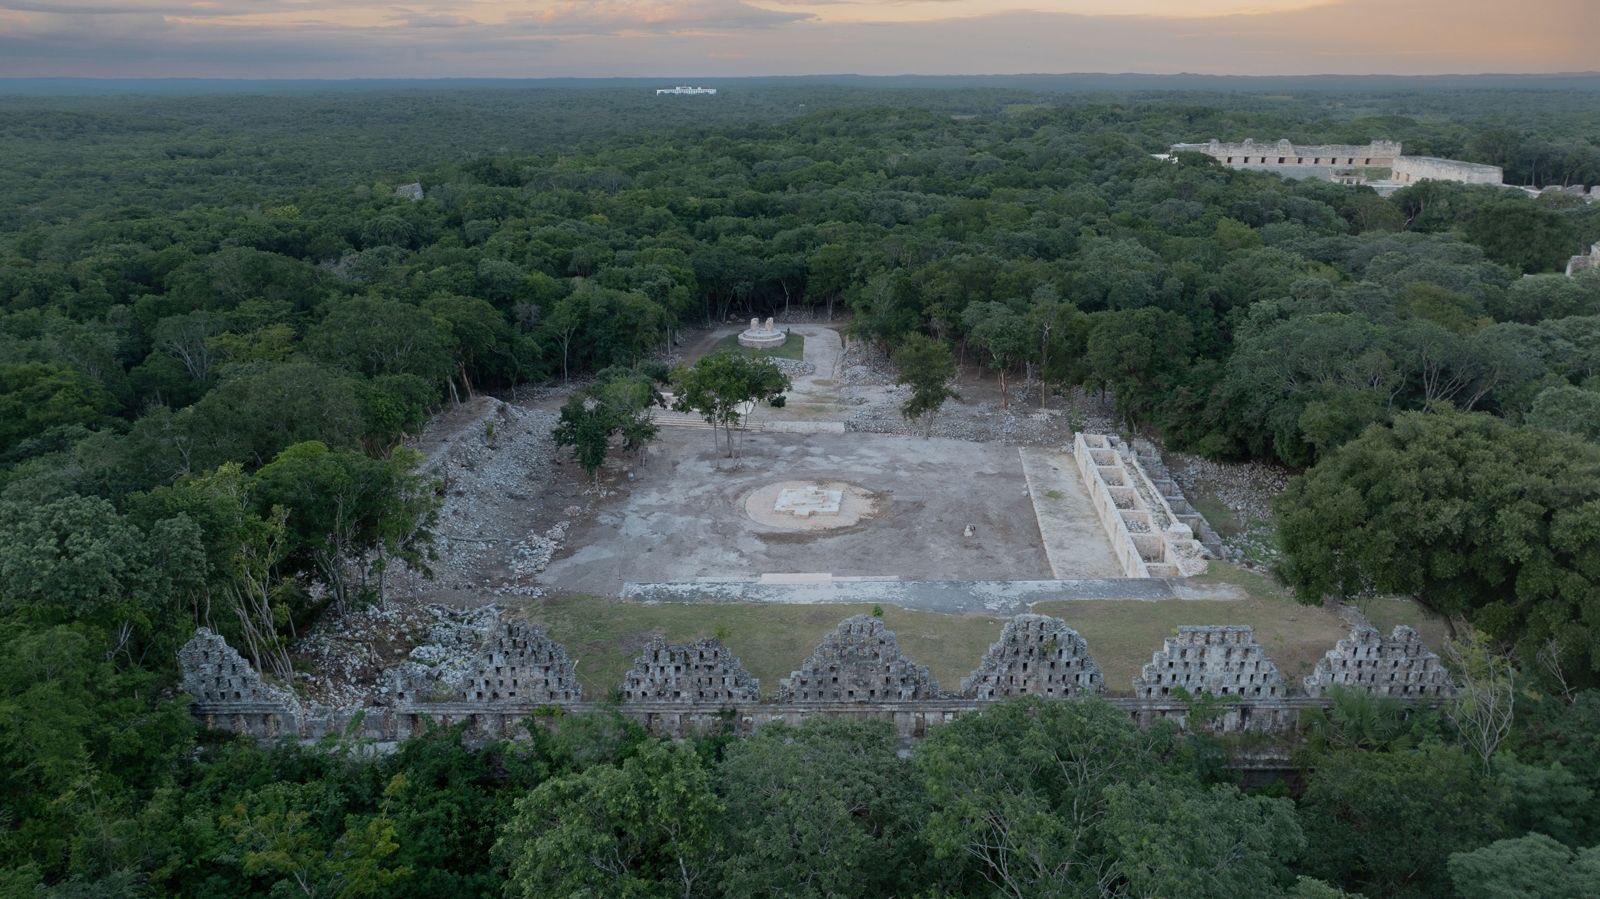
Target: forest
point(219, 323)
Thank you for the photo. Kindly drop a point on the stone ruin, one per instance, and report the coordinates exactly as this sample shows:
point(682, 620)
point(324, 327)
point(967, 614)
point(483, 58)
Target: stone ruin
point(693, 673)
point(1036, 655)
point(762, 335)
point(517, 664)
point(1214, 660)
point(1396, 665)
point(505, 683)
point(860, 662)
point(1148, 537)
point(1587, 263)
point(214, 672)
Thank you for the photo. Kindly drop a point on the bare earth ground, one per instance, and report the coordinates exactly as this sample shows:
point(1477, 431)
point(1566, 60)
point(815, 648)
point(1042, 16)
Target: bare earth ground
point(513, 504)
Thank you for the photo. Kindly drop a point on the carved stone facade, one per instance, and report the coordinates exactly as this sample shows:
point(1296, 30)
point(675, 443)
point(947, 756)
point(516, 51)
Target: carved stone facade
point(520, 664)
point(214, 672)
point(857, 673)
point(859, 662)
point(1396, 665)
point(1215, 660)
point(1036, 655)
point(702, 672)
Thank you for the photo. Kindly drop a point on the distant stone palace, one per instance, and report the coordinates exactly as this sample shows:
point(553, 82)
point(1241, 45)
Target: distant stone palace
point(1381, 164)
point(684, 89)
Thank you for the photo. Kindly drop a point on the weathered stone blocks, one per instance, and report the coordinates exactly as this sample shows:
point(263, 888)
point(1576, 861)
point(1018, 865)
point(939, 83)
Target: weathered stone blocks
point(859, 662)
point(215, 674)
point(1036, 655)
point(1396, 665)
point(1215, 660)
point(519, 664)
point(695, 673)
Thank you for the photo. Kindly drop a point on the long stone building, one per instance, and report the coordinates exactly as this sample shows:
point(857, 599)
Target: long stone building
point(1381, 164)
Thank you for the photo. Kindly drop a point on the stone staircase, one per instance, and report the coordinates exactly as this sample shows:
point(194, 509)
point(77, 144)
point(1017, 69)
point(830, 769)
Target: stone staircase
point(1150, 460)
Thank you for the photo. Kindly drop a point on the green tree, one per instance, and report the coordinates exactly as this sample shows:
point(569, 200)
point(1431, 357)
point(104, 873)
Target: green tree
point(1175, 839)
point(347, 510)
point(643, 828)
point(1473, 516)
point(35, 397)
point(825, 809)
point(1384, 823)
point(1001, 332)
point(927, 366)
point(724, 388)
point(1017, 791)
point(1530, 867)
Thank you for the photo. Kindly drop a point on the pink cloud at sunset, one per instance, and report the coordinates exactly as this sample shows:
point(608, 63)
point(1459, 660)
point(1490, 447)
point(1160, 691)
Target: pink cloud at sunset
point(445, 38)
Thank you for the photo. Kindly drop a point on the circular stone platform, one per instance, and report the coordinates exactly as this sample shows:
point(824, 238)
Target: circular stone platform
point(763, 335)
point(810, 505)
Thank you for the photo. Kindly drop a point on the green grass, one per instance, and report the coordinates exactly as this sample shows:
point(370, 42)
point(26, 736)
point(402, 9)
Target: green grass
point(1216, 513)
point(793, 348)
point(1387, 611)
point(604, 635)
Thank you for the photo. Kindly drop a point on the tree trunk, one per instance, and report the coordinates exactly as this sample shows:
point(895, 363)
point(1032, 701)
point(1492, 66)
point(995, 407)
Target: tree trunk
point(1005, 401)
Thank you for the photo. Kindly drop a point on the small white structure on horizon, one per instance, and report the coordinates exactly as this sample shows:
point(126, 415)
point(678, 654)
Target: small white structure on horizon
point(684, 89)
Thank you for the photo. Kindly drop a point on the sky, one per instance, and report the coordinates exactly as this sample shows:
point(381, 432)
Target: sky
point(682, 39)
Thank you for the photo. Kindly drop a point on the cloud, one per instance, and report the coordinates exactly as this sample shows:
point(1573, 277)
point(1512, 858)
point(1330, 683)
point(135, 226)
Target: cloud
point(423, 38)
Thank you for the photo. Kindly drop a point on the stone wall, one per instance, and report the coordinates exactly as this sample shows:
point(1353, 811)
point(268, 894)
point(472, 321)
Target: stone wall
point(520, 679)
point(1036, 655)
point(1590, 262)
point(215, 673)
point(1410, 169)
point(1148, 537)
point(859, 662)
point(1380, 153)
point(517, 665)
point(1396, 665)
point(1210, 660)
point(702, 672)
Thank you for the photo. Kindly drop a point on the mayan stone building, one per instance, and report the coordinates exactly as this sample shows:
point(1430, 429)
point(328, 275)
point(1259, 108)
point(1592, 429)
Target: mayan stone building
point(214, 672)
point(694, 673)
point(1396, 665)
point(519, 664)
point(1216, 660)
point(859, 662)
point(1036, 655)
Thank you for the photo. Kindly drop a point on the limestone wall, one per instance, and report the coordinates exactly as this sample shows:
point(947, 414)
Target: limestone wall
point(1410, 169)
point(702, 672)
point(517, 665)
point(1590, 262)
point(521, 679)
point(1396, 665)
point(1211, 660)
point(859, 662)
point(1150, 540)
point(1036, 655)
point(214, 673)
point(1283, 153)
